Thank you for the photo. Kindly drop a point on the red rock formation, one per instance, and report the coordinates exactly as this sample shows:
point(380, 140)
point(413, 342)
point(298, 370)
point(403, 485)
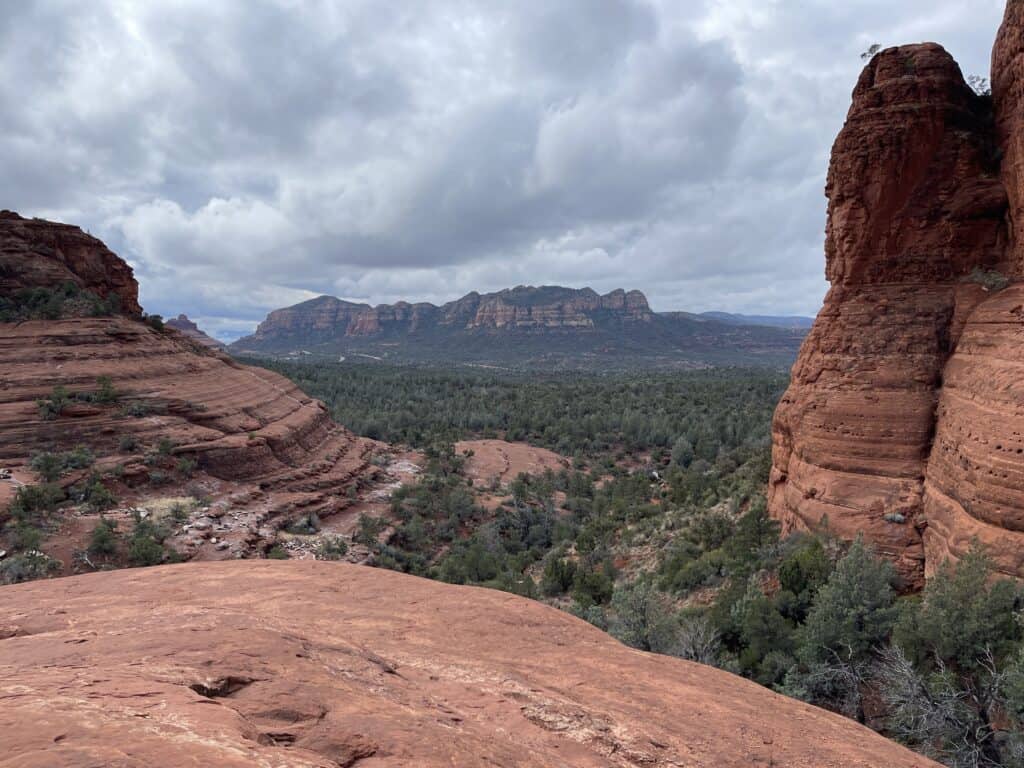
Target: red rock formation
point(1008, 95)
point(36, 253)
point(914, 205)
point(307, 664)
point(239, 423)
point(974, 488)
point(522, 308)
point(184, 325)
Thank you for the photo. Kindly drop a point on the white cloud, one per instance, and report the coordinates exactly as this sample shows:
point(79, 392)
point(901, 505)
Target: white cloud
point(246, 156)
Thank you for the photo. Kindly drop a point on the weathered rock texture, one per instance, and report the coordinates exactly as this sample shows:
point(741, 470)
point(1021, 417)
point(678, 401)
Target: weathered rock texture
point(905, 415)
point(42, 254)
point(322, 664)
point(184, 325)
point(237, 422)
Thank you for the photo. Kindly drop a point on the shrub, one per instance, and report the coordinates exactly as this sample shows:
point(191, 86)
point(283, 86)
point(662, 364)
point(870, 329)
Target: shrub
point(67, 300)
point(641, 619)
point(50, 466)
point(98, 497)
point(277, 552)
point(145, 545)
point(27, 566)
point(103, 540)
point(165, 446)
point(47, 465)
point(989, 279)
point(24, 536)
point(156, 322)
point(559, 575)
point(31, 501)
point(186, 466)
point(854, 611)
point(51, 407)
point(105, 392)
point(306, 525)
point(332, 548)
point(128, 443)
point(137, 409)
point(369, 530)
point(593, 586)
point(961, 616)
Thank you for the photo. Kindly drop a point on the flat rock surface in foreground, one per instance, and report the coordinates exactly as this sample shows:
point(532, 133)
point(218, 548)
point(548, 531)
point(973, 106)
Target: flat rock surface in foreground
point(261, 663)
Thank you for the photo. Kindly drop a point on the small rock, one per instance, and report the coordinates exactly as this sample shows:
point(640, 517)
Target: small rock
point(222, 545)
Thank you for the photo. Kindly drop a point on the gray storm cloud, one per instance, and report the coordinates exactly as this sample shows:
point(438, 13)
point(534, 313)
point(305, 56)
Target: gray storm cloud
point(247, 155)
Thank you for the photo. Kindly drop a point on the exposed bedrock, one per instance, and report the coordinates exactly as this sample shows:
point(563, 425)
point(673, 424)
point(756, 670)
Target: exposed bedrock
point(915, 205)
point(321, 665)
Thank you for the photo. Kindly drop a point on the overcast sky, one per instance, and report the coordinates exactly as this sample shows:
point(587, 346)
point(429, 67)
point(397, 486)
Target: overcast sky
point(248, 155)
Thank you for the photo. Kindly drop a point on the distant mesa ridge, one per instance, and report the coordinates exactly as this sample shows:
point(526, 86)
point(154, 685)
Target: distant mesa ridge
point(522, 307)
point(521, 324)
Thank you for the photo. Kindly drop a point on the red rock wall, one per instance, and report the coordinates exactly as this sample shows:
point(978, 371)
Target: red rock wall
point(36, 253)
point(914, 205)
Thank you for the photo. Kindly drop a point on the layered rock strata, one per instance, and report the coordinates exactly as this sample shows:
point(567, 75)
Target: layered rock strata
point(237, 423)
point(43, 254)
point(905, 415)
point(517, 308)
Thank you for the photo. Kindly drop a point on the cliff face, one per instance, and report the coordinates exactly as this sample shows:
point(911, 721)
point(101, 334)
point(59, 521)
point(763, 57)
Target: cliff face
point(517, 308)
point(44, 254)
point(243, 425)
point(903, 419)
point(304, 664)
point(547, 326)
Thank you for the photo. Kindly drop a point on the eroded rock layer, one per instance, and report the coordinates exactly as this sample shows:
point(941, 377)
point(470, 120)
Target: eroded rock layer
point(43, 254)
point(236, 421)
point(905, 417)
point(975, 478)
point(914, 206)
point(322, 664)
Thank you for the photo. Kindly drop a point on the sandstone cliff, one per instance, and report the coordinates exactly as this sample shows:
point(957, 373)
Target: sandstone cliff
point(903, 419)
point(547, 325)
point(327, 665)
point(520, 308)
point(42, 254)
point(277, 449)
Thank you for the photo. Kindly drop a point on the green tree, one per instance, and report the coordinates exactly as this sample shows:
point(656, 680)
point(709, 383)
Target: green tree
point(855, 610)
point(103, 540)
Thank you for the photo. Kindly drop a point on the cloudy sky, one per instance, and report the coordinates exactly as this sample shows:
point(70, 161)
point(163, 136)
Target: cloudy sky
point(244, 155)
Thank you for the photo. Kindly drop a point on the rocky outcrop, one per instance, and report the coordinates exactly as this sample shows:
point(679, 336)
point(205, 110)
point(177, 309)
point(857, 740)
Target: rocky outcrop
point(524, 307)
point(321, 664)
point(537, 326)
point(182, 324)
point(904, 418)
point(43, 254)
point(277, 448)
